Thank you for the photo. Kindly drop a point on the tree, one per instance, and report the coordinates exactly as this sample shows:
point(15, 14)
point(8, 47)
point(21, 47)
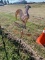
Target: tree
point(7, 1)
point(1, 1)
point(23, 2)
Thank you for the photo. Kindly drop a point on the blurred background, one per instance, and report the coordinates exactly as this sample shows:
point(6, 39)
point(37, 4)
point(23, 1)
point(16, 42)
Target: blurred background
point(4, 2)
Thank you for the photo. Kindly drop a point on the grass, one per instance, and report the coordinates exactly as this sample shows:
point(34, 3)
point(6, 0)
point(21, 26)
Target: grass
point(34, 26)
point(34, 29)
point(10, 47)
point(12, 51)
point(6, 18)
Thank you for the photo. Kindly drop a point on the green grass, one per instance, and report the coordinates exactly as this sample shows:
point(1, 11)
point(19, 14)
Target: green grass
point(6, 19)
point(12, 51)
point(35, 30)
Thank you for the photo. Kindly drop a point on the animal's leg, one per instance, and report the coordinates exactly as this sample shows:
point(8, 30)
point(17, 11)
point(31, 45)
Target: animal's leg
point(25, 25)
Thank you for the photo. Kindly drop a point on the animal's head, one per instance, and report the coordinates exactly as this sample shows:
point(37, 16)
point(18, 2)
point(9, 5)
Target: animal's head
point(27, 6)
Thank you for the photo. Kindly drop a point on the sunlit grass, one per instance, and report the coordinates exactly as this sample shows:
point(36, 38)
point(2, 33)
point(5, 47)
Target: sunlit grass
point(7, 20)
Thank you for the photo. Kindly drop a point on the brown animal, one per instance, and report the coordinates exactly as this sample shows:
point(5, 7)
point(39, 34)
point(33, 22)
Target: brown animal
point(24, 17)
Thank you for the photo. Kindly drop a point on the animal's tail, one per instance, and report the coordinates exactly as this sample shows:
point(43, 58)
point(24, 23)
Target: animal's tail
point(19, 11)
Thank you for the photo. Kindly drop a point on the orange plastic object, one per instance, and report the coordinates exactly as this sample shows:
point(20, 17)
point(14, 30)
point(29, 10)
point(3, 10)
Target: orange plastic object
point(41, 39)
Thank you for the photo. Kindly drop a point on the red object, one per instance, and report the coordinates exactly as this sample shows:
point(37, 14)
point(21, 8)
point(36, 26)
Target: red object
point(41, 39)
